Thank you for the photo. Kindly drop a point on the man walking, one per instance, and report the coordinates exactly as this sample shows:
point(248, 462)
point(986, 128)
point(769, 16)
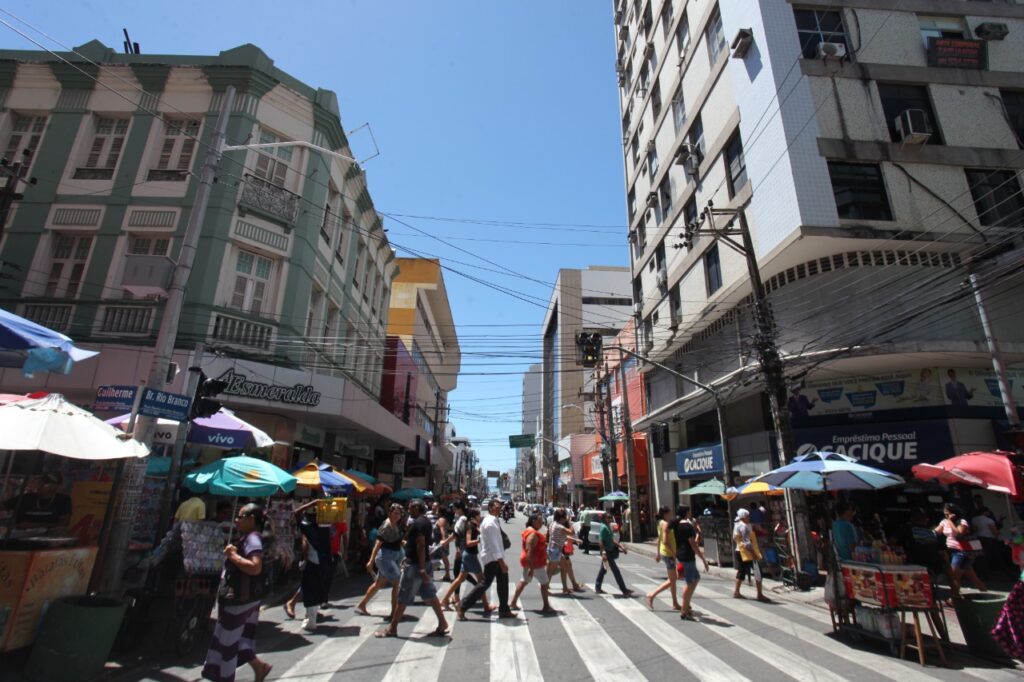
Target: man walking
point(585, 530)
point(687, 551)
point(492, 556)
point(416, 574)
point(610, 549)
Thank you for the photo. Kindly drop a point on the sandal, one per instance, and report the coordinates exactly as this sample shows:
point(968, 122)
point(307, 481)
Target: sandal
point(686, 615)
point(439, 632)
point(381, 634)
point(764, 600)
point(263, 672)
point(650, 602)
point(361, 611)
point(289, 611)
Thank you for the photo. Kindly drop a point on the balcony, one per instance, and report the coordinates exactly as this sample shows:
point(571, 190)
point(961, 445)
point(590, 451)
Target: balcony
point(167, 175)
point(94, 173)
point(56, 317)
point(269, 200)
point(119, 319)
point(244, 333)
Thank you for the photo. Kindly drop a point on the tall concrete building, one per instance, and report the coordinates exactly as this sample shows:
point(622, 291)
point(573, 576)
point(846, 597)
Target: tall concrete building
point(527, 462)
point(595, 300)
point(291, 282)
point(873, 152)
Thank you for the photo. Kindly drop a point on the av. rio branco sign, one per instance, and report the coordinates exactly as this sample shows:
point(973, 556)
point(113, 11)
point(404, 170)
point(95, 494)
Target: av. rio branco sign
point(238, 384)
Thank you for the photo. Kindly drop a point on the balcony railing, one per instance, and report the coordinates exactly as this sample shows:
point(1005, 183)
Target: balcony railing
point(119, 319)
point(241, 332)
point(56, 317)
point(94, 173)
point(166, 175)
point(269, 199)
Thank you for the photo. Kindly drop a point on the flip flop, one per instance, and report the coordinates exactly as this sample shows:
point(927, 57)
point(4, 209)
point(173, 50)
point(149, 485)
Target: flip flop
point(765, 600)
point(439, 632)
point(381, 634)
point(290, 612)
point(260, 676)
point(361, 612)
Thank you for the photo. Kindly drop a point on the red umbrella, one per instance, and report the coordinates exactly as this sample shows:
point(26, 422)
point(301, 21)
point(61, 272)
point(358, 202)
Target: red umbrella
point(993, 471)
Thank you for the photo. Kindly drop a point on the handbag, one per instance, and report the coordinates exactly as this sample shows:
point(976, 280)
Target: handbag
point(241, 588)
point(505, 541)
point(568, 547)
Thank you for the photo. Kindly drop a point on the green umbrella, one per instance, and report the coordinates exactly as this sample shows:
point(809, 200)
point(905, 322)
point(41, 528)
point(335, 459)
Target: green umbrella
point(240, 477)
point(712, 487)
point(411, 494)
point(616, 496)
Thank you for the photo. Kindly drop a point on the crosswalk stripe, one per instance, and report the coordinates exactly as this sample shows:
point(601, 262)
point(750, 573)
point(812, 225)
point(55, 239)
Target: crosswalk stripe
point(694, 657)
point(513, 657)
point(326, 658)
point(421, 657)
point(601, 655)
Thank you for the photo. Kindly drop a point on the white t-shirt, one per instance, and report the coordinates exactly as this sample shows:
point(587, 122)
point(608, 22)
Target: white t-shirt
point(984, 527)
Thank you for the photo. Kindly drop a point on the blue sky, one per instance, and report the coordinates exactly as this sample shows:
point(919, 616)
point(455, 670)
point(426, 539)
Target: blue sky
point(501, 111)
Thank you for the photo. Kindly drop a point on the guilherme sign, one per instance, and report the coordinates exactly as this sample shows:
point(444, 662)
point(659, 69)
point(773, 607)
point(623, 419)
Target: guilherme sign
point(239, 385)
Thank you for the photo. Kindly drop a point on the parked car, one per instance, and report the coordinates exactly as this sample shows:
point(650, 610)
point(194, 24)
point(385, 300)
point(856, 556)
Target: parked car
point(593, 517)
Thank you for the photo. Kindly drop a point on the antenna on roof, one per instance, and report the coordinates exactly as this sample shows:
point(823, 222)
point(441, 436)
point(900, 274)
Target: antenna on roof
point(129, 46)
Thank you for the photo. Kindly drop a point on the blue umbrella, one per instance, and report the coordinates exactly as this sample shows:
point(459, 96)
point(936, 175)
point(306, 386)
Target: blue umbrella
point(615, 496)
point(33, 347)
point(823, 471)
point(240, 477)
point(411, 494)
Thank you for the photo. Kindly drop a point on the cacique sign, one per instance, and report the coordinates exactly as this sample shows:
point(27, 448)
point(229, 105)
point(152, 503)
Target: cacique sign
point(895, 446)
point(238, 384)
point(695, 462)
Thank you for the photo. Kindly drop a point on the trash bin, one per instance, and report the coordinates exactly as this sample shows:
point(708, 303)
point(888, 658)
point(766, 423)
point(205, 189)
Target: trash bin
point(977, 614)
point(74, 639)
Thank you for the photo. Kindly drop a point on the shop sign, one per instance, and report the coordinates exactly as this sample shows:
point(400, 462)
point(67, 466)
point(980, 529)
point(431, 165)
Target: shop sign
point(957, 53)
point(310, 435)
point(238, 384)
point(114, 399)
point(698, 462)
point(164, 405)
point(398, 463)
point(894, 446)
point(356, 451)
point(595, 466)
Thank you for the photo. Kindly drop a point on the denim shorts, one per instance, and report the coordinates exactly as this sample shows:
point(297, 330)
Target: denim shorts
point(471, 563)
point(688, 569)
point(669, 561)
point(387, 564)
point(554, 553)
point(413, 584)
point(962, 561)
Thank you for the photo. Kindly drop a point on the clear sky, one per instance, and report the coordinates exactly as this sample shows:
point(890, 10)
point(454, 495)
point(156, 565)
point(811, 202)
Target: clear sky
point(499, 116)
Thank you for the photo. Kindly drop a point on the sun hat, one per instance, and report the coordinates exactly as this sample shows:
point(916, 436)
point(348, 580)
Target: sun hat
point(742, 514)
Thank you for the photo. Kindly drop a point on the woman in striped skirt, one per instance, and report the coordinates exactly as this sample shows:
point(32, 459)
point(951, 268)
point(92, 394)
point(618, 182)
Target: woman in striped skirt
point(238, 610)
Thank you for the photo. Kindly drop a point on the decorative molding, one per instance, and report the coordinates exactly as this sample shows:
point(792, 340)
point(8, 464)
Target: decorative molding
point(152, 77)
point(83, 217)
point(139, 217)
point(73, 100)
point(75, 76)
point(261, 235)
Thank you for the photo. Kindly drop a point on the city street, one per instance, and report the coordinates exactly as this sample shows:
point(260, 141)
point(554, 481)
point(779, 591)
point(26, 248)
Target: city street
point(595, 637)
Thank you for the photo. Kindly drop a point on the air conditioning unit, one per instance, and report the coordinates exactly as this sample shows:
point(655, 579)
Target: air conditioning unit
point(632, 236)
point(742, 43)
point(691, 165)
point(652, 198)
point(912, 126)
point(622, 80)
point(674, 324)
point(662, 277)
point(619, 66)
point(618, 16)
point(833, 51)
point(648, 49)
point(651, 146)
point(636, 308)
point(641, 92)
point(991, 30)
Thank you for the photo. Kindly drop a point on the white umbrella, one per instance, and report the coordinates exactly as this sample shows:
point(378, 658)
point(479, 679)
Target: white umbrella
point(54, 425)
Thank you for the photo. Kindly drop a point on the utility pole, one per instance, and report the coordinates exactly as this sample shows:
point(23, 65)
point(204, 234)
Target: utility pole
point(128, 488)
point(612, 462)
point(16, 173)
point(174, 474)
point(997, 357)
point(603, 422)
point(627, 437)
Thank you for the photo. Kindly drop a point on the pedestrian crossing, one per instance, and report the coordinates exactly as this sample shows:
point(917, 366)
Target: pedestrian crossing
point(596, 637)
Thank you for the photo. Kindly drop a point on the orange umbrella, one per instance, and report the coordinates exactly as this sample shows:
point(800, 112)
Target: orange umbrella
point(993, 471)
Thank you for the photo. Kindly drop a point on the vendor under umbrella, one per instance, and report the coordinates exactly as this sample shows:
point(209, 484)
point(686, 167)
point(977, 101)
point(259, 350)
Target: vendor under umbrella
point(45, 508)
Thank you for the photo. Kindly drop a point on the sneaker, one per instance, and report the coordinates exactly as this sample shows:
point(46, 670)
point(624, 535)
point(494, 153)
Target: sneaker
point(308, 626)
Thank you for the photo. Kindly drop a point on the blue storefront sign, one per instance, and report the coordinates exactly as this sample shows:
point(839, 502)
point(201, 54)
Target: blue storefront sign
point(894, 446)
point(164, 405)
point(114, 398)
point(700, 462)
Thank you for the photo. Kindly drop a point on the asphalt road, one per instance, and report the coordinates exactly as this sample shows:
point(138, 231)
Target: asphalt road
point(594, 637)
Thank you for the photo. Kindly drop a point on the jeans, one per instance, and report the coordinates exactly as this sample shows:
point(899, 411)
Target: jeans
point(492, 572)
point(611, 556)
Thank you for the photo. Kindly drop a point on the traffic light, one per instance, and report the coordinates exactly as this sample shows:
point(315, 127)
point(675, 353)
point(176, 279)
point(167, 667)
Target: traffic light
point(202, 405)
point(588, 346)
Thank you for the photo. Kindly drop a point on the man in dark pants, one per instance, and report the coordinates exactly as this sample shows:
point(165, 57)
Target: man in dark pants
point(585, 531)
point(492, 556)
point(609, 553)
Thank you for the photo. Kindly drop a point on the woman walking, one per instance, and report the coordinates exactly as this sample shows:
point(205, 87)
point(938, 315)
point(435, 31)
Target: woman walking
point(558, 533)
point(238, 607)
point(534, 562)
point(666, 555)
point(316, 548)
point(470, 561)
point(961, 554)
point(386, 555)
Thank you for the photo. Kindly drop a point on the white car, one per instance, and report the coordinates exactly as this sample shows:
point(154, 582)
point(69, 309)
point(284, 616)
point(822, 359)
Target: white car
point(593, 517)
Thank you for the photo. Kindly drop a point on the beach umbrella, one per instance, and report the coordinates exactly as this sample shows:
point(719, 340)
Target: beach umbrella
point(411, 494)
point(34, 348)
point(240, 477)
point(52, 424)
point(712, 487)
point(355, 473)
point(615, 496)
point(753, 488)
point(379, 490)
point(824, 471)
point(222, 430)
point(322, 476)
point(993, 471)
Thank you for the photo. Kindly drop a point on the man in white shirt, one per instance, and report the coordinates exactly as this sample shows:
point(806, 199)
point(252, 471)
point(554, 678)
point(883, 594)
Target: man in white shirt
point(492, 556)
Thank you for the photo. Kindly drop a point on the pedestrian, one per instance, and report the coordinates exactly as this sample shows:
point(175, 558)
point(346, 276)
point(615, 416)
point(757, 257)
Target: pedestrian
point(962, 548)
point(416, 575)
point(492, 555)
point(238, 603)
point(610, 549)
point(439, 539)
point(687, 550)
point(666, 555)
point(844, 533)
point(1008, 630)
point(747, 556)
point(316, 549)
point(559, 533)
point(534, 562)
point(386, 556)
point(471, 569)
point(585, 531)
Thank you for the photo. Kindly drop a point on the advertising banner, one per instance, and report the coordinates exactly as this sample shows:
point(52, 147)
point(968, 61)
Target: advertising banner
point(979, 387)
point(703, 462)
point(114, 399)
point(88, 507)
point(894, 447)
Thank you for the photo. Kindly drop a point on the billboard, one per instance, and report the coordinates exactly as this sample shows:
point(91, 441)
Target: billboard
point(896, 446)
point(701, 462)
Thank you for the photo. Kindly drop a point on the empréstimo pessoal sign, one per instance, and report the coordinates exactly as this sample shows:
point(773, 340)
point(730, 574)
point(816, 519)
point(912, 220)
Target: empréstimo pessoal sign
point(238, 384)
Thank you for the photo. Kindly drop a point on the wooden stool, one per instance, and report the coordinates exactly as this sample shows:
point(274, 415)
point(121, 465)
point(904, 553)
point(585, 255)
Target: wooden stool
point(918, 637)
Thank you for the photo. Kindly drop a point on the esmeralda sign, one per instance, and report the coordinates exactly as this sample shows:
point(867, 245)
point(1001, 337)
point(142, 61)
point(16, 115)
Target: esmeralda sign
point(238, 384)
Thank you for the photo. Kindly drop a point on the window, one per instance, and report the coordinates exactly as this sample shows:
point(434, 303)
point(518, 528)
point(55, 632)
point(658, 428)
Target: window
point(897, 98)
point(675, 305)
point(696, 137)
point(631, 203)
point(683, 36)
point(1013, 101)
point(272, 164)
point(690, 211)
point(940, 27)
point(339, 249)
point(330, 325)
point(997, 197)
point(360, 264)
point(679, 110)
point(634, 149)
point(713, 270)
point(652, 160)
point(814, 26)
point(328, 224)
point(316, 300)
point(252, 279)
point(716, 37)
point(105, 149)
point(67, 264)
point(666, 18)
point(665, 197)
point(735, 164)
point(177, 150)
point(656, 100)
point(645, 78)
point(148, 244)
point(26, 131)
point(641, 234)
point(859, 191)
point(648, 21)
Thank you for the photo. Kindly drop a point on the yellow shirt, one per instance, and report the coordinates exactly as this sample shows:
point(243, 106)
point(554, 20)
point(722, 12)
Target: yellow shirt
point(752, 553)
point(192, 509)
point(666, 548)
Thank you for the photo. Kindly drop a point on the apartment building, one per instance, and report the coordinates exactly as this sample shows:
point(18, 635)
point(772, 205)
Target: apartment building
point(527, 458)
point(293, 274)
point(873, 154)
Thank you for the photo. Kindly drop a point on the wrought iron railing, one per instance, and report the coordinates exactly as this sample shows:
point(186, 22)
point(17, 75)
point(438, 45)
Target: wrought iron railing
point(270, 199)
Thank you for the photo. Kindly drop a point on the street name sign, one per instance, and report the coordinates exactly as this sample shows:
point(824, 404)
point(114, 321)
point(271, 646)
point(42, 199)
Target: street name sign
point(164, 405)
point(525, 440)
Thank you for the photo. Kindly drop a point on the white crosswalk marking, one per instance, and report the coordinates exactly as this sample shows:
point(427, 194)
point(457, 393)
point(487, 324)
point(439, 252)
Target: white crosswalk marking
point(513, 658)
point(602, 656)
point(421, 656)
point(694, 657)
point(326, 658)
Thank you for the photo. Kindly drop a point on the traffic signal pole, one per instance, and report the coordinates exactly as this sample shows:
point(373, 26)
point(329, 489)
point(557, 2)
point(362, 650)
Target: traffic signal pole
point(129, 487)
